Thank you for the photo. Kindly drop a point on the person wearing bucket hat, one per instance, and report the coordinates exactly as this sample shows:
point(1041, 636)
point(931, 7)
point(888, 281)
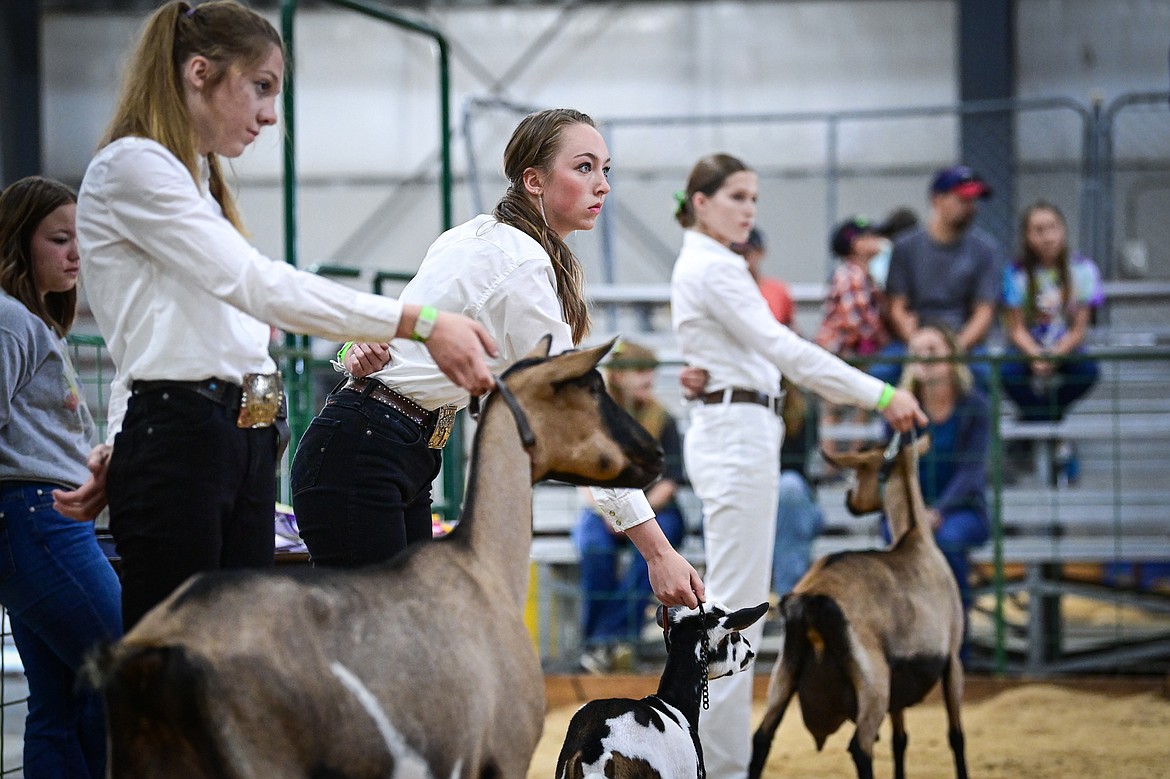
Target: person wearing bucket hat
point(946, 270)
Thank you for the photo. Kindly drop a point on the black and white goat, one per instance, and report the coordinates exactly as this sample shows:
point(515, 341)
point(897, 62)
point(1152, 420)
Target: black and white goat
point(420, 667)
point(657, 737)
point(870, 632)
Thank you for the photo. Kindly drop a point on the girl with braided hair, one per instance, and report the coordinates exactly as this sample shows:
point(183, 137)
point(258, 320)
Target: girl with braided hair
point(361, 478)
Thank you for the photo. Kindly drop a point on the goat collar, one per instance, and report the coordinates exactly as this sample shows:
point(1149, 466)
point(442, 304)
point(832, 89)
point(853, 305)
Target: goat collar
point(527, 437)
point(891, 453)
point(704, 657)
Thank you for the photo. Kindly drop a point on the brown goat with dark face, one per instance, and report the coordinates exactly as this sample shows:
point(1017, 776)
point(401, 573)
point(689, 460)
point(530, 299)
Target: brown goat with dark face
point(418, 667)
point(871, 632)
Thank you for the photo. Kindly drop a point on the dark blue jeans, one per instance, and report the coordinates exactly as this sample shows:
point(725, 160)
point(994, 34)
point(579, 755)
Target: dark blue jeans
point(189, 492)
point(1048, 400)
point(361, 482)
point(613, 603)
point(62, 598)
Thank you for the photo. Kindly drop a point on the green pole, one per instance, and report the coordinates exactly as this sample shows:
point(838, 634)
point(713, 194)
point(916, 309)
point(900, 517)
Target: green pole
point(297, 374)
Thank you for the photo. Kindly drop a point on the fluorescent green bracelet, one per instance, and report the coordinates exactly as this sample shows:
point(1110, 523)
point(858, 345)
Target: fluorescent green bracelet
point(344, 351)
point(425, 323)
point(887, 396)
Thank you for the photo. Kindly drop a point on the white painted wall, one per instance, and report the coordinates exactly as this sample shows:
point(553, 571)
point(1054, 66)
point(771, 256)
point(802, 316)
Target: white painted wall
point(367, 116)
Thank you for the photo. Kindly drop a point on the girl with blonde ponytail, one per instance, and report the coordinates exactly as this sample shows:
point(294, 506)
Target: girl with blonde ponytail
point(186, 305)
point(513, 272)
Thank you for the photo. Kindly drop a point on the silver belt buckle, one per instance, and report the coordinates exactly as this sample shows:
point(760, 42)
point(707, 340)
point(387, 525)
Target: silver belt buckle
point(444, 421)
point(261, 397)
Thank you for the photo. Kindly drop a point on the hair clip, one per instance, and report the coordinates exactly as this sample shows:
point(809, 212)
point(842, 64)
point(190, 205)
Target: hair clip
point(680, 199)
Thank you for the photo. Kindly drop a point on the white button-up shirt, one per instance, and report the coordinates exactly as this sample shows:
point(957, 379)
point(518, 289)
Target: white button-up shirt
point(178, 293)
point(504, 279)
point(723, 325)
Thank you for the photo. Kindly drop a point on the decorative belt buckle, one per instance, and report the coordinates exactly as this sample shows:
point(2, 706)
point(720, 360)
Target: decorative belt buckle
point(261, 399)
point(444, 421)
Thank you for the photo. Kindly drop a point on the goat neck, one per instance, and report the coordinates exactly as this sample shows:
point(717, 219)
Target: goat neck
point(904, 505)
point(500, 488)
point(684, 677)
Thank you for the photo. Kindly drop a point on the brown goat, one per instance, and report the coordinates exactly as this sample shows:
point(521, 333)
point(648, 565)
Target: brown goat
point(418, 667)
point(872, 631)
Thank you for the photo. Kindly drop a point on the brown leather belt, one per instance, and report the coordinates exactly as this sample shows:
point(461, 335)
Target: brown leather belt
point(740, 395)
point(435, 424)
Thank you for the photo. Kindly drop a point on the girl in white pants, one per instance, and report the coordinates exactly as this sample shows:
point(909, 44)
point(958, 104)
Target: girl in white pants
point(737, 351)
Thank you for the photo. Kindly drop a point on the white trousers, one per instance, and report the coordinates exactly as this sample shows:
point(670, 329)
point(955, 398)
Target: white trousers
point(732, 457)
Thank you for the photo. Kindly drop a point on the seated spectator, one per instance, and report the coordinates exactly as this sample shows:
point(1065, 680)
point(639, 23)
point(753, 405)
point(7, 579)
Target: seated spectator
point(953, 474)
point(852, 325)
point(799, 520)
point(614, 598)
point(1049, 296)
point(774, 291)
point(946, 270)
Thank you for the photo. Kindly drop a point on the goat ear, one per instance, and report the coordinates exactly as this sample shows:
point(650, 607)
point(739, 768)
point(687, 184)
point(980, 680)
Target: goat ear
point(744, 618)
point(572, 365)
point(540, 351)
point(922, 446)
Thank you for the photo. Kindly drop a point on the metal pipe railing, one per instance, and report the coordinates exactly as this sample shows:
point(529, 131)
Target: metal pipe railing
point(297, 380)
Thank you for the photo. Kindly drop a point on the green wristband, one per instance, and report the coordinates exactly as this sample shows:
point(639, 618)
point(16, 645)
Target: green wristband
point(344, 351)
point(425, 323)
point(887, 396)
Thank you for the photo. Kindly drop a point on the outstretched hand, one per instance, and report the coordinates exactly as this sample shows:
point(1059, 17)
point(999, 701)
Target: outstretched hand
point(88, 500)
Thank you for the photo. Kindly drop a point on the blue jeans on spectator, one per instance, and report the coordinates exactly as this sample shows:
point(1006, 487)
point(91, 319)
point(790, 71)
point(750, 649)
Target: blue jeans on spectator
point(62, 598)
point(1048, 399)
point(799, 520)
point(613, 602)
point(890, 372)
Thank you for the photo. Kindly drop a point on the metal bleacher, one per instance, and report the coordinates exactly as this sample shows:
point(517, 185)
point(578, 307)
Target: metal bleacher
point(1061, 590)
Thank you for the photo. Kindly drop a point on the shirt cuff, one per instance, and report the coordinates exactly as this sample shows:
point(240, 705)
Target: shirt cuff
point(622, 509)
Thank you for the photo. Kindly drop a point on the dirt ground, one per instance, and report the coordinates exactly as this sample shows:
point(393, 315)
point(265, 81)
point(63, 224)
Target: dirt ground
point(1034, 730)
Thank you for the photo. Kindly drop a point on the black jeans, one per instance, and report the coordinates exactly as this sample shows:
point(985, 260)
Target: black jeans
point(361, 482)
point(189, 492)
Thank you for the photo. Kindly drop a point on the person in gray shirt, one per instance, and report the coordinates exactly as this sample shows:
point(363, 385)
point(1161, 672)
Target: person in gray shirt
point(946, 271)
point(60, 591)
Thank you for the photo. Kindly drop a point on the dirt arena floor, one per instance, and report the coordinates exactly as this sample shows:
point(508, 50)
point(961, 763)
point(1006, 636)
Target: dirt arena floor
point(1111, 728)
